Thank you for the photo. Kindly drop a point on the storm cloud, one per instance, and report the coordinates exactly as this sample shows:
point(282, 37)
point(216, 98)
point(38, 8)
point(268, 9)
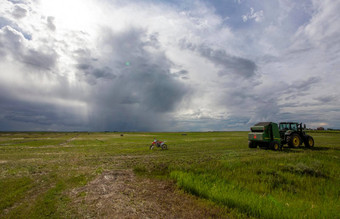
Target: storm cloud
point(13, 43)
point(142, 91)
point(167, 65)
point(228, 64)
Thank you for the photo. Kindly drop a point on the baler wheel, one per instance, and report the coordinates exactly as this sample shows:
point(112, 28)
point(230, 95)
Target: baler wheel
point(275, 146)
point(252, 145)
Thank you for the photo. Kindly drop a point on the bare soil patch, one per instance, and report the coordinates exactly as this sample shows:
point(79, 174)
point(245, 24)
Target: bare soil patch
point(121, 194)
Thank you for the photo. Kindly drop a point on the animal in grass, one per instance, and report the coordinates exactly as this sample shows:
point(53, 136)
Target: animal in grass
point(159, 144)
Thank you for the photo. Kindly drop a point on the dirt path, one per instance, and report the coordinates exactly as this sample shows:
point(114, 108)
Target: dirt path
point(121, 194)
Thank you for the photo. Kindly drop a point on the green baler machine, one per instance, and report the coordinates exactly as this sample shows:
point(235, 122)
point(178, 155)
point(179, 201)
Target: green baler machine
point(265, 134)
point(269, 134)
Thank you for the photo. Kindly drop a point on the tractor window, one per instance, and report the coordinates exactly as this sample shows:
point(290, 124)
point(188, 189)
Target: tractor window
point(284, 126)
point(293, 126)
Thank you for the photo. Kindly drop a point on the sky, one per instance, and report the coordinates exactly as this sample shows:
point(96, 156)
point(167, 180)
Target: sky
point(178, 65)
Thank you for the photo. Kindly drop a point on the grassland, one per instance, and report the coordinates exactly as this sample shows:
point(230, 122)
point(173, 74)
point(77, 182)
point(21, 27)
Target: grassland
point(39, 172)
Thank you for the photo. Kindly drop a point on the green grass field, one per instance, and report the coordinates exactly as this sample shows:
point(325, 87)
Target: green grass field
point(38, 171)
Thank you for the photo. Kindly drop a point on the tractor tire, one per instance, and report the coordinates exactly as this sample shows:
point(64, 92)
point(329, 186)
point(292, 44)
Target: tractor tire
point(164, 147)
point(275, 146)
point(252, 145)
point(294, 140)
point(309, 141)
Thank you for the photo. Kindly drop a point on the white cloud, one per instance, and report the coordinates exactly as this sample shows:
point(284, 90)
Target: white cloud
point(258, 16)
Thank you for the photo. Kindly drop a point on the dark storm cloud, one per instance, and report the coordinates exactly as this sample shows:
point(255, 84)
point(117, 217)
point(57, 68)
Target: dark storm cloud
point(299, 88)
point(183, 74)
point(39, 59)
point(244, 102)
point(232, 123)
point(31, 113)
point(27, 115)
point(295, 90)
point(304, 85)
point(229, 64)
point(325, 99)
point(180, 73)
point(12, 43)
point(91, 74)
point(105, 73)
point(90, 70)
point(143, 91)
point(268, 108)
point(321, 100)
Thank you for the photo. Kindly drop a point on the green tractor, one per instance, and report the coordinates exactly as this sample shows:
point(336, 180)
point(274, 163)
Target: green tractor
point(269, 134)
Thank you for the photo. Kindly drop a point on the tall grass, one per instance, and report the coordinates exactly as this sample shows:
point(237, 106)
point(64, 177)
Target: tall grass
point(231, 195)
point(265, 205)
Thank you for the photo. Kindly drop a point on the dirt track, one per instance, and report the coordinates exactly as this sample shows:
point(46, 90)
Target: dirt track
point(121, 194)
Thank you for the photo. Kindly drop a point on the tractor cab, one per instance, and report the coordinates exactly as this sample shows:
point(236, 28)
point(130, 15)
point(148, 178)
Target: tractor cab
point(284, 126)
point(293, 134)
point(287, 128)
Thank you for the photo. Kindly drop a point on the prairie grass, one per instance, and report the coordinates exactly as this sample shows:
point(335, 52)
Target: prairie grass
point(39, 170)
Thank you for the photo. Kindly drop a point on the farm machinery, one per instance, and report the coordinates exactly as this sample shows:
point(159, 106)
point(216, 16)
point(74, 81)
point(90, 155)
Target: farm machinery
point(271, 135)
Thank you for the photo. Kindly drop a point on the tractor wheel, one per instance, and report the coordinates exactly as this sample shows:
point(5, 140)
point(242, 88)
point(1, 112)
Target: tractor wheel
point(275, 146)
point(294, 140)
point(164, 146)
point(309, 141)
point(252, 145)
